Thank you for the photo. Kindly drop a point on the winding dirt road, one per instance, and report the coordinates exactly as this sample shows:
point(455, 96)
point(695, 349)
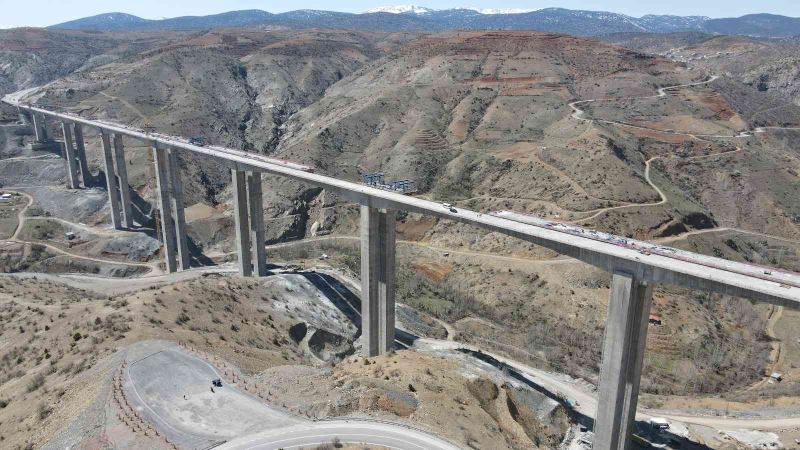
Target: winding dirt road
point(152, 267)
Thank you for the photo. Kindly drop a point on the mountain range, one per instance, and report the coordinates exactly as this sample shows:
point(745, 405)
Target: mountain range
point(420, 19)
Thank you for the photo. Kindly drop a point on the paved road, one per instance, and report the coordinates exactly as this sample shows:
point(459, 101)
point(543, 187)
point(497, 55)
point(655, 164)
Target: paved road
point(348, 432)
point(733, 423)
point(172, 389)
point(728, 278)
point(587, 401)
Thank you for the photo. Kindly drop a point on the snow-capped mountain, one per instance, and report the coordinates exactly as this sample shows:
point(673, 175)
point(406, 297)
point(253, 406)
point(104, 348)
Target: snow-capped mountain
point(421, 10)
point(491, 11)
point(413, 18)
point(400, 9)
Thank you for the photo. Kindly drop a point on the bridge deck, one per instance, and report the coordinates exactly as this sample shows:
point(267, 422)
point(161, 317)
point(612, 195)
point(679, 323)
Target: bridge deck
point(690, 270)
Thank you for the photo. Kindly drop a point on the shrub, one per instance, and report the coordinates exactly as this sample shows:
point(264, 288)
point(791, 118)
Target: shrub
point(43, 411)
point(182, 318)
point(36, 382)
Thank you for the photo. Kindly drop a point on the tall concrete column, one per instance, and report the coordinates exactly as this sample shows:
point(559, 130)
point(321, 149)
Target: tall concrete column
point(256, 208)
point(165, 207)
point(177, 208)
point(23, 117)
point(377, 280)
point(69, 154)
point(623, 355)
point(122, 180)
point(111, 180)
point(39, 129)
point(242, 223)
point(80, 154)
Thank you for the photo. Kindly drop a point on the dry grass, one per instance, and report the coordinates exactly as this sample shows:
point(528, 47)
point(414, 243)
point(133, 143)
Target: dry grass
point(57, 338)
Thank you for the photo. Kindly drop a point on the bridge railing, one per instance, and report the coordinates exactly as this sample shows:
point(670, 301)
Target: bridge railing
point(635, 266)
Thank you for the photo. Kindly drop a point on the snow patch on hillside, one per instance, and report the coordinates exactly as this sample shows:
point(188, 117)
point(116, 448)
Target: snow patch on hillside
point(400, 9)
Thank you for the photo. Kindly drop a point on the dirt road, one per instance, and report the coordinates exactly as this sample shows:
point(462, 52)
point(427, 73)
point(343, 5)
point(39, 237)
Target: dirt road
point(152, 267)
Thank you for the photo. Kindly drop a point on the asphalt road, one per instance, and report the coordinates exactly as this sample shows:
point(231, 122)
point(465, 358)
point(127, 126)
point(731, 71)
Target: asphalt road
point(172, 390)
point(347, 432)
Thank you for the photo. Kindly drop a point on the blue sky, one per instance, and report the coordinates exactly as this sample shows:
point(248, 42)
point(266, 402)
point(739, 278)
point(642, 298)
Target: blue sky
point(42, 13)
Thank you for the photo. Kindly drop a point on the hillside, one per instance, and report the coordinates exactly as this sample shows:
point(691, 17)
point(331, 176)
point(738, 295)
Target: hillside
point(768, 65)
point(483, 120)
point(764, 25)
point(565, 128)
point(32, 57)
point(421, 19)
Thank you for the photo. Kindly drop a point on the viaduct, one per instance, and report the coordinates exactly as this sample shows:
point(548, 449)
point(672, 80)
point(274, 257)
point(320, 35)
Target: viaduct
point(634, 272)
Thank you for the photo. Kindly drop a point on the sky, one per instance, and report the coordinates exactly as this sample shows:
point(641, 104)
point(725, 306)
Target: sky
point(48, 12)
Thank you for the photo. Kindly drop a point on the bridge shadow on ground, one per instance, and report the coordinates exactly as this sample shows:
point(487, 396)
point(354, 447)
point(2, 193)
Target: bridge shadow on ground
point(197, 257)
point(349, 303)
point(643, 428)
point(144, 214)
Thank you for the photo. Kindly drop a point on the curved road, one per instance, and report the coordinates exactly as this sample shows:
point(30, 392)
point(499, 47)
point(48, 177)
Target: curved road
point(347, 431)
point(395, 436)
point(587, 401)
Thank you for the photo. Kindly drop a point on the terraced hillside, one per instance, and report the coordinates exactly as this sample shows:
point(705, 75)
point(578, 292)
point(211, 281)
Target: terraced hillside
point(768, 65)
point(557, 126)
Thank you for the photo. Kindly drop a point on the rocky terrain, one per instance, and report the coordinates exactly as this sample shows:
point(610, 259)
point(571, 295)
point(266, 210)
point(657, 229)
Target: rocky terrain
point(480, 113)
point(33, 57)
point(63, 337)
point(768, 65)
point(557, 126)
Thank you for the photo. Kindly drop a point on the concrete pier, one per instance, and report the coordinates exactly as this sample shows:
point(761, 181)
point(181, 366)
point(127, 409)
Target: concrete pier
point(122, 181)
point(73, 181)
point(636, 266)
point(256, 209)
point(176, 191)
point(39, 129)
point(23, 118)
point(111, 180)
point(623, 354)
point(377, 280)
point(165, 207)
point(240, 211)
point(80, 154)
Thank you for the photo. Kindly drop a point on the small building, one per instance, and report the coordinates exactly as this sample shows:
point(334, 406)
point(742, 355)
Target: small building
point(777, 376)
point(69, 235)
point(655, 319)
point(4, 197)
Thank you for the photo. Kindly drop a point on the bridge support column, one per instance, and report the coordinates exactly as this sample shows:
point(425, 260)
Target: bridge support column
point(256, 209)
point(122, 181)
point(240, 211)
point(377, 280)
point(111, 180)
point(165, 208)
point(39, 129)
point(177, 208)
point(623, 355)
point(80, 154)
point(69, 154)
point(23, 117)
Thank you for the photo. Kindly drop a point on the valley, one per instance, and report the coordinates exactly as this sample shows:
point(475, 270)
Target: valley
point(504, 333)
